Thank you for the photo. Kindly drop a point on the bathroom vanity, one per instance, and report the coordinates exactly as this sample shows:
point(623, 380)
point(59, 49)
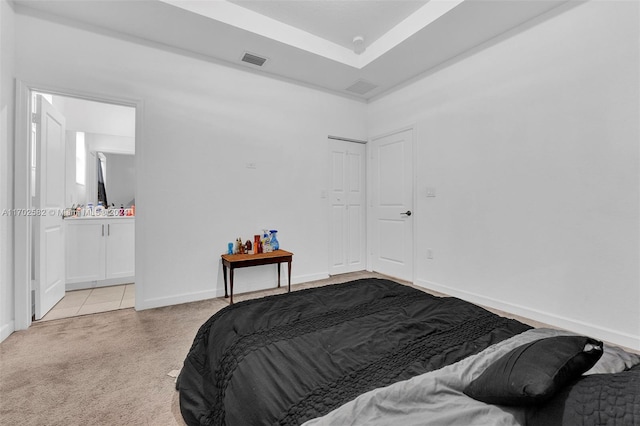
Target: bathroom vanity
point(100, 251)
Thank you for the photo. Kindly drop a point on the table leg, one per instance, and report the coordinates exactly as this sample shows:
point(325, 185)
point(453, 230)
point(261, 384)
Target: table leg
point(278, 274)
point(224, 274)
point(231, 278)
point(289, 274)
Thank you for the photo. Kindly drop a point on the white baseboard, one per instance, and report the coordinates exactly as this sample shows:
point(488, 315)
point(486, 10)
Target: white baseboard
point(299, 279)
point(592, 330)
point(6, 330)
point(219, 292)
point(177, 299)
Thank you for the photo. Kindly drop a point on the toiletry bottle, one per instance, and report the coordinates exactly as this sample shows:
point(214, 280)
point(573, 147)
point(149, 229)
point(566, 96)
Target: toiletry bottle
point(266, 244)
point(275, 244)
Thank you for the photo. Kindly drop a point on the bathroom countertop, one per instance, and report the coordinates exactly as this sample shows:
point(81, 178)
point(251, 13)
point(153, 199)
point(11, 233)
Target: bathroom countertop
point(73, 218)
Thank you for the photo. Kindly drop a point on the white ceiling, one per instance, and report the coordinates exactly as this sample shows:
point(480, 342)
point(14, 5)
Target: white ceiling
point(338, 21)
point(310, 41)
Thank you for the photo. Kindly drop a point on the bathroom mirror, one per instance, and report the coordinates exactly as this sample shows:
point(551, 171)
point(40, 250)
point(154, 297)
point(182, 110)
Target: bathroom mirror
point(116, 178)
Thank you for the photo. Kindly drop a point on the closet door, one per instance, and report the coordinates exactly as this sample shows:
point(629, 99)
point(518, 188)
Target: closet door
point(347, 242)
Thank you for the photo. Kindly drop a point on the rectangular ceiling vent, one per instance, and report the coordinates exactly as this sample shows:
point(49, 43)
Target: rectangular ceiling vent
point(361, 87)
point(252, 59)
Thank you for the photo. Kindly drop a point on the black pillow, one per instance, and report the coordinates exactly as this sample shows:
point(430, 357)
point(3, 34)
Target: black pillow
point(532, 373)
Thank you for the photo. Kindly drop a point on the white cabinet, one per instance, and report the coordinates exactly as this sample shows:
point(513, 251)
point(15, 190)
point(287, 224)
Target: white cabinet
point(85, 243)
point(119, 250)
point(100, 250)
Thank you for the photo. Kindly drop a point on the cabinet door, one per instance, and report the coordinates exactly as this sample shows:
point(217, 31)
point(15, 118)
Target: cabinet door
point(85, 251)
point(120, 248)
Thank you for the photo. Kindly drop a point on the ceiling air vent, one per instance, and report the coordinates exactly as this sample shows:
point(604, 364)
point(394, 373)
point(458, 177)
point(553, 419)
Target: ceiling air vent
point(253, 59)
point(361, 87)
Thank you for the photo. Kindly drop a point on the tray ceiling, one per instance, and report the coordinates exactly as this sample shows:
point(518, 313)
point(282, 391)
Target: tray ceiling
point(311, 41)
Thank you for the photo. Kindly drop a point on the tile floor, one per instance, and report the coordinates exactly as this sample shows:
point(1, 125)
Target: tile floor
point(93, 300)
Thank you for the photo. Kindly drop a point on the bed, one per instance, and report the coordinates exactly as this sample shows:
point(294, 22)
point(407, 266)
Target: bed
point(373, 351)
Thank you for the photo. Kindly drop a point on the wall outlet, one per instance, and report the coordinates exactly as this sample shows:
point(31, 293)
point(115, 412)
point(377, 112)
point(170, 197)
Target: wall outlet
point(431, 191)
point(429, 253)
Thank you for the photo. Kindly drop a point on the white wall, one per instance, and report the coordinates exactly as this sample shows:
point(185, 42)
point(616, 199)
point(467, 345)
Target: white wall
point(7, 104)
point(75, 193)
point(97, 117)
point(110, 143)
point(532, 145)
point(201, 123)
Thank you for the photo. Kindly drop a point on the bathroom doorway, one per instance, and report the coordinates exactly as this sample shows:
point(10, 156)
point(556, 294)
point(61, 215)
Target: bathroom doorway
point(98, 211)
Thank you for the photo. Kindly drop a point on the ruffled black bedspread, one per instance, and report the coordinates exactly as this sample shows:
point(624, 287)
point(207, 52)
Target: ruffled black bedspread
point(286, 359)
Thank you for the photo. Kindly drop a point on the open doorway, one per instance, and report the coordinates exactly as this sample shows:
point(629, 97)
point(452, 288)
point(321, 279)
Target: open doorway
point(94, 222)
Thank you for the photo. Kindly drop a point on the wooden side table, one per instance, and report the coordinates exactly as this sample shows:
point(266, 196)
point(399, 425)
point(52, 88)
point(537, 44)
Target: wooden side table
point(233, 261)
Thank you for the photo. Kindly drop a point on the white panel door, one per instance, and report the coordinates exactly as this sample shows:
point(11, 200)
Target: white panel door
point(391, 204)
point(49, 241)
point(347, 244)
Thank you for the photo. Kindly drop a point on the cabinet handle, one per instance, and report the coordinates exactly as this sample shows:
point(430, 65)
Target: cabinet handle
point(103, 230)
point(108, 229)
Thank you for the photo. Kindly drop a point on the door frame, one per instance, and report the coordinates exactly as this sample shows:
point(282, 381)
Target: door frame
point(370, 216)
point(22, 181)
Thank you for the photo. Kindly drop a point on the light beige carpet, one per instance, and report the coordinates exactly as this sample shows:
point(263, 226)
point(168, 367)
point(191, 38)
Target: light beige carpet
point(105, 369)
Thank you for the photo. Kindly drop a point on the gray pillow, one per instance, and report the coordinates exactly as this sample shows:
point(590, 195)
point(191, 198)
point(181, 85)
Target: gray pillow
point(614, 360)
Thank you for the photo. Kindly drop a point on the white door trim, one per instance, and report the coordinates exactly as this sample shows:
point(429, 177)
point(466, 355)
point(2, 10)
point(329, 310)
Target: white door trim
point(22, 181)
point(370, 215)
point(22, 237)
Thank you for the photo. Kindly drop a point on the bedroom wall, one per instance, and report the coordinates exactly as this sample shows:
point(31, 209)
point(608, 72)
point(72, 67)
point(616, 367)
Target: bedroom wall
point(7, 18)
point(201, 123)
point(532, 145)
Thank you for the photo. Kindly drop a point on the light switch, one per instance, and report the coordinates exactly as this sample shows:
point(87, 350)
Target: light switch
point(431, 191)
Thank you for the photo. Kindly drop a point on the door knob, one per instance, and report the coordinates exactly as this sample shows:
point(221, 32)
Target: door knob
point(407, 213)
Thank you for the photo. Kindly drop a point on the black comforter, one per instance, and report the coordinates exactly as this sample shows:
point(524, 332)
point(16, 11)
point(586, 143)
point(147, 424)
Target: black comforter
point(286, 359)
point(598, 399)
